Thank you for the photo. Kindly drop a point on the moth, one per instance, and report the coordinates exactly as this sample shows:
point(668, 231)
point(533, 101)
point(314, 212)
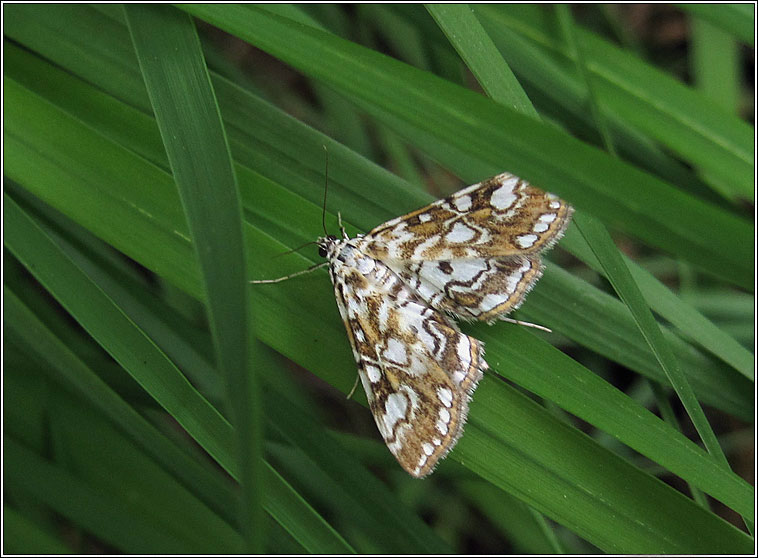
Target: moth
point(474, 255)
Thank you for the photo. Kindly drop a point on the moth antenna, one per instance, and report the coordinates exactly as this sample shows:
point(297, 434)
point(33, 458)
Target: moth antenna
point(326, 186)
point(296, 249)
point(527, 324)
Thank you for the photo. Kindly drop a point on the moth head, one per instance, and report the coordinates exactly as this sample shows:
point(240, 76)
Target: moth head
point(324, 243)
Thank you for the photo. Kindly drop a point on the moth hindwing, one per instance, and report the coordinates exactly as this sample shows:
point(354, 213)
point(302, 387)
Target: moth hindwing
point(474, 255)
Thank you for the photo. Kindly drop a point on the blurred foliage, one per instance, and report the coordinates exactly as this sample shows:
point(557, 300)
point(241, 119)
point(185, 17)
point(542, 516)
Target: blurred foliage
point(118, 435)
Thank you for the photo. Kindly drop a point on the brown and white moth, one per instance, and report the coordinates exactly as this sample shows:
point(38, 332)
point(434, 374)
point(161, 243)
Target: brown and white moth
point(474, 255)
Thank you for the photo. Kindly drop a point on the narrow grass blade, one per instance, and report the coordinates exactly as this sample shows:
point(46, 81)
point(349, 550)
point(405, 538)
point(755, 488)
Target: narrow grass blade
point(477, 50)
point(185, 107)
point(622, 282)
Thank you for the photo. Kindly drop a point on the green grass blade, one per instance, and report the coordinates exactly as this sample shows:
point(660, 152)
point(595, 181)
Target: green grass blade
point(677, 311)
point(621, 279)
point(715, 64)
point(185, 107)
point(624, 284)
point(117, 334)
point(300, 519)
point(109, 519)
point(715, 68)
point(110, 327)
point(575, 49)
point(479, 53)
point(737, 19)
point(65, 366)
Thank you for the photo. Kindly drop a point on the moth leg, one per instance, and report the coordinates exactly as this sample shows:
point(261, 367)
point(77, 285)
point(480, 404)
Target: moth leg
point(342, 229)
point(527, 324)
point(290, 276)
point(355, 385)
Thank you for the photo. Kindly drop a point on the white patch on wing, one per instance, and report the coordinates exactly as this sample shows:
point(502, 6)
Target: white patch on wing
point(460, 233)
point(548, 217)
point(464, 351)
point(396, 351)
point(442, 427)
point(384, 311)
point(460, 270)
point(511, 283)
point(526, 240)
point(503, 197)
point(445, 396)
point(492, 301)
point(395, 408)
point(353, 307)
point(365, 265)
point(373, 373)
point(462, 203)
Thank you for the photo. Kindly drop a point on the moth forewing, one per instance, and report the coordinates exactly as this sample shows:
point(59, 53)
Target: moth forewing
point(499, 217)
point(417, 368)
